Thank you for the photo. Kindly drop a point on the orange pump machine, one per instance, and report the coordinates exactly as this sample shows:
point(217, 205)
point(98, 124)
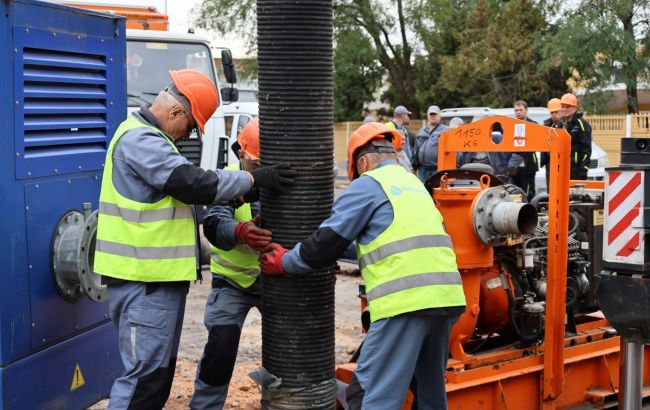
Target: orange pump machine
point(532, 336)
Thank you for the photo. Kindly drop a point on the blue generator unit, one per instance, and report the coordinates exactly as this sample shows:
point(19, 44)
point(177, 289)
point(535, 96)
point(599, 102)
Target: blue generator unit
point(62, 95)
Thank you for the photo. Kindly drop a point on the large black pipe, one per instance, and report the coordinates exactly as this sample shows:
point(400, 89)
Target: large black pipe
point(296, 126)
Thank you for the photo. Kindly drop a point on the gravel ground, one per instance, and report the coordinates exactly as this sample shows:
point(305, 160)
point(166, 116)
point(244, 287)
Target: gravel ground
point(244, 393)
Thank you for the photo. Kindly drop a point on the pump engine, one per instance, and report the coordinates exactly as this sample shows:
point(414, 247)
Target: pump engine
point(501, 248)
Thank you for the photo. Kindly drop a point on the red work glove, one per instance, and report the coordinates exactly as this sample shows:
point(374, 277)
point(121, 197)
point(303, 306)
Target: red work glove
point(271, 259)
point(250, 234)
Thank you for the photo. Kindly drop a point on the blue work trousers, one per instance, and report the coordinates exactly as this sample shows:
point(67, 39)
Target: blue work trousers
point(396, 350)
point(149, 318)
point(225, 313)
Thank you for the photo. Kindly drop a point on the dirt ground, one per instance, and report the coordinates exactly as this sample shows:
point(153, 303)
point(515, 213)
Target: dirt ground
point(243, 393)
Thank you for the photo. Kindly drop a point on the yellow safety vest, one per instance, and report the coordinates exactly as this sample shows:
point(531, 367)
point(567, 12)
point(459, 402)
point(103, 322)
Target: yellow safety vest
point(141, 241)
point(240, 264)
point(410, 266)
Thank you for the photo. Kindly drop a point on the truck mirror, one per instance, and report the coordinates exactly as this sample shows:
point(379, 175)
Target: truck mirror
point(230, 94)
point(228, 67)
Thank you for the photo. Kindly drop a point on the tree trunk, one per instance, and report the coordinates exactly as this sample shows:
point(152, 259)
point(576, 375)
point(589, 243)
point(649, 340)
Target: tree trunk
point(630, 62)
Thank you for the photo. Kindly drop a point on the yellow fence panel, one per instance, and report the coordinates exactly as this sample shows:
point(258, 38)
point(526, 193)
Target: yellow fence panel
point(641, 125)
point(607, 131)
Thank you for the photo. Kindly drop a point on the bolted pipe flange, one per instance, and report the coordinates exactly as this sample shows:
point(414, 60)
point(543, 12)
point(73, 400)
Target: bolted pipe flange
point(496, 215)
point(73, 255)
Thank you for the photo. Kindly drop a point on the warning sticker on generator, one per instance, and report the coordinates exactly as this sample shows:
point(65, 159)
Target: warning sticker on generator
point(77, 379)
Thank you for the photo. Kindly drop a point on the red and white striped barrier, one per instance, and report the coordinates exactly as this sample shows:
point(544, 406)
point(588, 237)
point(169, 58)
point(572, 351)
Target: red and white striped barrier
point(624, 197)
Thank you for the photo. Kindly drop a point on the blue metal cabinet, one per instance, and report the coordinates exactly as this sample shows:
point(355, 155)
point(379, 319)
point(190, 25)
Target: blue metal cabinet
point(62, 96)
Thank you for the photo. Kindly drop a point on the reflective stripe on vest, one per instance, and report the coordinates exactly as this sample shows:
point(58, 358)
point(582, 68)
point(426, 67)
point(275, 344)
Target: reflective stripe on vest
point(240, 264)
point(414, 281)
point(410, 266)
point(147, 242)
point(424, 241)
point(151, 215)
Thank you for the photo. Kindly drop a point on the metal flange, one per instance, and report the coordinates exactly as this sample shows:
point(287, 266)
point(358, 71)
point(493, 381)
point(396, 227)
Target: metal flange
point(73, 255)
point(496, 215)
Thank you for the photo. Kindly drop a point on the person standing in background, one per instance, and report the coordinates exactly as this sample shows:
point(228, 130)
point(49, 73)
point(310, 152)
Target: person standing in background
point(554, 108)
point(525, 176)
point(425, 157)
point(580, 132)
point(399, 122)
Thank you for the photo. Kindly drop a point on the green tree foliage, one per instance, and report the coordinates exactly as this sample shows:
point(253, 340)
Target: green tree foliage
point(229, 16)
point(386, 24)
point(499, 56)
point(603, 41)
point(456, 53)
point(357, 74)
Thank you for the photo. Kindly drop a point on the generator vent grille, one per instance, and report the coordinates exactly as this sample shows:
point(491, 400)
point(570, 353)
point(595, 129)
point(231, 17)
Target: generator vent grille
point(62, 94)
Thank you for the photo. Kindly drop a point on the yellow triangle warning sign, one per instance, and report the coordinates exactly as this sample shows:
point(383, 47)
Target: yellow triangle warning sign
point(77, 379)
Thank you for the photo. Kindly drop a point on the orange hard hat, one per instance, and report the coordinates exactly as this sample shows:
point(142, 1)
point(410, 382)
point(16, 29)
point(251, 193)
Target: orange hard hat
point(554, 104)
point(366, 133)
point(569, 99)
point(249, 138)
point(200, 92)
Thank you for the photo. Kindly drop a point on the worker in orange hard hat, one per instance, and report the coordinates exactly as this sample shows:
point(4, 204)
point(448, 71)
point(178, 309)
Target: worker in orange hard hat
point(236, 239)
point(196, 93)
point(146, 248)
point(407, 262)
point(249, 140)
point(554, 107)
point(580, 131)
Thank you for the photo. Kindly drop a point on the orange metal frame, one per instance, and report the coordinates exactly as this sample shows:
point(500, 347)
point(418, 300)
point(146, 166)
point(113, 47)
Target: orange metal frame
point(476, 137)
point(564, 371)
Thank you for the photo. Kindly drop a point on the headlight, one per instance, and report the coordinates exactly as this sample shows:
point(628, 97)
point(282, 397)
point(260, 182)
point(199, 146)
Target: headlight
point(603, 162)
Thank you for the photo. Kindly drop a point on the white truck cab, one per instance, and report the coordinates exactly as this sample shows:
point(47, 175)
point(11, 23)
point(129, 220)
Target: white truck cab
point(150, 55)
point(237, 115)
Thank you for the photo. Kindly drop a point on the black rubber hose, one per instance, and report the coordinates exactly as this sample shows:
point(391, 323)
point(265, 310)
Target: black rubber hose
point(296, 126)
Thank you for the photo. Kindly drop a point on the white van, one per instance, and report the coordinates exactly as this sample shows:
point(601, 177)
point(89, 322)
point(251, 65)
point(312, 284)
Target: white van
point(598, 160)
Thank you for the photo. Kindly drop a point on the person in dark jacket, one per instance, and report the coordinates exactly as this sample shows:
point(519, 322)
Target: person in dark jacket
point(554, 108)
point(525, 176)
point(580, 132)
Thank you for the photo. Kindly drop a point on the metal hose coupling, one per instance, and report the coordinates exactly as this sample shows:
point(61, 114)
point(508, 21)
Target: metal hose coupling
point(497, 215)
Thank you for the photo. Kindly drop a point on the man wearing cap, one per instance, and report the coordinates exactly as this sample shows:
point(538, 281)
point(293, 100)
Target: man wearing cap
point(399, 122)
point(554, 107)
point(146, 249)
point(425, 159)
point(580, 131)
point(407, 262)
point(236, 240)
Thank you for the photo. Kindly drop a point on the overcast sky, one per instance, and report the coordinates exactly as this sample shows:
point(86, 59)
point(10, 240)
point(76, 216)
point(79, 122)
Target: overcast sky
point(180, 19)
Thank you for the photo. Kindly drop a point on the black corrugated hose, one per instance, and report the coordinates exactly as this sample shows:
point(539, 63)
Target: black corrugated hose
point(296, 126)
